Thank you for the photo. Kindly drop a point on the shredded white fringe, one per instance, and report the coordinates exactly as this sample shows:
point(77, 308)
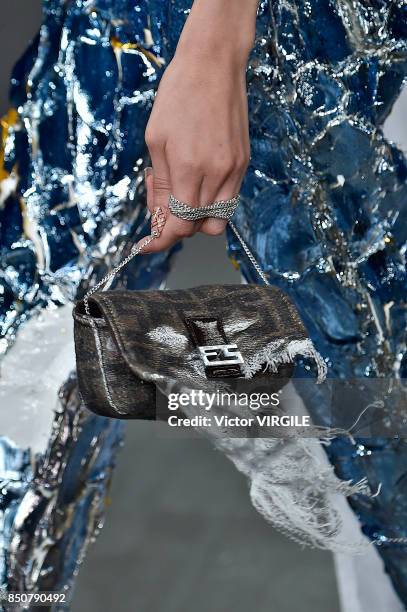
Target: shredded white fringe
point(283, 351)
point(296, 490)
point(292, 485)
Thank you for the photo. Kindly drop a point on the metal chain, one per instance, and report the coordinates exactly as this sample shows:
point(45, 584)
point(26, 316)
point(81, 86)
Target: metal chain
point(137, 250)
point(387, 540)
point(249, 254)
point(222, 209)
point(134, 251)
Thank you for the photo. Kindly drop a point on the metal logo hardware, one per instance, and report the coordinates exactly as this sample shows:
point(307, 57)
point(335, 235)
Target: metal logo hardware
point(220, 361)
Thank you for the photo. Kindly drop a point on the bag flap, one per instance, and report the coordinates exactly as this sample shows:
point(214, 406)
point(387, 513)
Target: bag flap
point(151, 329)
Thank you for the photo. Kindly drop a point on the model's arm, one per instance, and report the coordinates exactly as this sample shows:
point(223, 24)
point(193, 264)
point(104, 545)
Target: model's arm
point(198, 134)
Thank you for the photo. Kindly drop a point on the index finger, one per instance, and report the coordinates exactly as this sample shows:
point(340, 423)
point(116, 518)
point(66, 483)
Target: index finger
point(171, 232)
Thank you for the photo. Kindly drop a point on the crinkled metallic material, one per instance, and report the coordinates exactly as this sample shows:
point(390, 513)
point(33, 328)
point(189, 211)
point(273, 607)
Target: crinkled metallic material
point(71, 200)
point(59, 509)
point(323, 209)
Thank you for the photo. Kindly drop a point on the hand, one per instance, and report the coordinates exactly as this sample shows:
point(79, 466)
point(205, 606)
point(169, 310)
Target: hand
point(198, 134)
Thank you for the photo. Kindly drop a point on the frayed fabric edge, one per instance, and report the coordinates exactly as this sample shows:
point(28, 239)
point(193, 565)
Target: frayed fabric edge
point(295, 492)
point(290, 485)
point(284, 351)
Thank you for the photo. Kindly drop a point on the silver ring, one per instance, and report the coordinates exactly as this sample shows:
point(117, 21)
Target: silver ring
point(223, 209)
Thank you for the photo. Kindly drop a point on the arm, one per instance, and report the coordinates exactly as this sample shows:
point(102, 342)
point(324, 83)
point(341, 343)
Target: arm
point(198, 134)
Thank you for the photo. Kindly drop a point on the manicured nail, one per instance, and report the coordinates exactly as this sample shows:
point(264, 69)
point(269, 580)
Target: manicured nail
point(147, 172)
point(158, 220)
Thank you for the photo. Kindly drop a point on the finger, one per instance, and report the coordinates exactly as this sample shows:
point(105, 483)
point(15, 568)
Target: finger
point(186, 179)
point(213, 183)
point(160, 183)
point(174, 230)
point(213, 227)
point(229, 189)
point(159, 188)
point(185, 185)
point(148, 180)
point(210, 190)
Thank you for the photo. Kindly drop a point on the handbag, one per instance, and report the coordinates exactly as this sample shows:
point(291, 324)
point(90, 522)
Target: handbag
point(132, 344)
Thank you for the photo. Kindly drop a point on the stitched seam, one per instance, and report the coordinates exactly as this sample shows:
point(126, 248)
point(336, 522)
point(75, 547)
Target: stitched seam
point(99, 350)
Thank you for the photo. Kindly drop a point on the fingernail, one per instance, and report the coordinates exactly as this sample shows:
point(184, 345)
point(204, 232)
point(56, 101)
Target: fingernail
point(158, 220)
point(141, 244)
point(147, 172)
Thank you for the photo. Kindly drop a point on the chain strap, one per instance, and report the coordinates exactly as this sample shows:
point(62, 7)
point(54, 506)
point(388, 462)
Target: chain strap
point(249, 254)
point(110, 275)
point(137, 250)
point(386, 540)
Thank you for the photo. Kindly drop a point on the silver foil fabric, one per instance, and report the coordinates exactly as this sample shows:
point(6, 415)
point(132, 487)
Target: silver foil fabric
point(322, 208)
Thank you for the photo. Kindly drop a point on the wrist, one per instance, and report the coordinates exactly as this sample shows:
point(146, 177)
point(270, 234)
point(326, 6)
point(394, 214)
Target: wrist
point(221, 30)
